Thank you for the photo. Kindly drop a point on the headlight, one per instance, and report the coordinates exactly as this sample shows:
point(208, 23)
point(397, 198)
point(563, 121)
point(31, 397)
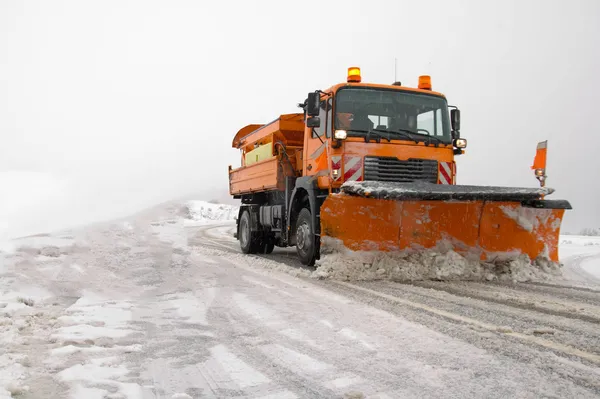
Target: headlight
point(460, 143)
point(340, 134)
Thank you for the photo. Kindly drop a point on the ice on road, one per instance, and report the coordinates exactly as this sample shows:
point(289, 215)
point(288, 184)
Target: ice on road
point(163, 305)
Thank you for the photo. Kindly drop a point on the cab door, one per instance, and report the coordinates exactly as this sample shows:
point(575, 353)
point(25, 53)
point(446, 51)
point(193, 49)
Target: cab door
point(316, 160)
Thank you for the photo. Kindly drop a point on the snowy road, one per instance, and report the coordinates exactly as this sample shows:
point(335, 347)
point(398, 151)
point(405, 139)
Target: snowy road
point(151, 308)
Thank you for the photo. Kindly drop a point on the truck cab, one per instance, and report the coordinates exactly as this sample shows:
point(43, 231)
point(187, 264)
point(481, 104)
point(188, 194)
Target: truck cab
point(378, 132)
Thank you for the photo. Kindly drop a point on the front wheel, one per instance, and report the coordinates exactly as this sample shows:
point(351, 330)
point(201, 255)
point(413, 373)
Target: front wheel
point(245, 234)
point(305, 238)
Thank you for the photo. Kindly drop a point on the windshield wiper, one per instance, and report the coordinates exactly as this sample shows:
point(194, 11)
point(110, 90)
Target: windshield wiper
point(368, 133)
point(410, 133)
point(438, 140)
point(401, 132)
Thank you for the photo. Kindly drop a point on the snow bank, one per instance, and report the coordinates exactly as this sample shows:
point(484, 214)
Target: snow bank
point(199, 213)
point(339, 262)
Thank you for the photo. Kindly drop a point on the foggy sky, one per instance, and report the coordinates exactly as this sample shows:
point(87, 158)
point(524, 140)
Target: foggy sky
point(124, 104)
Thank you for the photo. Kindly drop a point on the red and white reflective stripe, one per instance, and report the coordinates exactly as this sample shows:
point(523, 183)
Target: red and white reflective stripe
point(353, 168)
point(336, 163)
point(445, 174)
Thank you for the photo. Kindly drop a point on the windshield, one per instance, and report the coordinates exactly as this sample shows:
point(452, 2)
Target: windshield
point(392, 113)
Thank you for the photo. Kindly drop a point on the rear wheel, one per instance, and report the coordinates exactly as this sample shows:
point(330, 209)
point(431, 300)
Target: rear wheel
point(305, 238)
point(269, 246)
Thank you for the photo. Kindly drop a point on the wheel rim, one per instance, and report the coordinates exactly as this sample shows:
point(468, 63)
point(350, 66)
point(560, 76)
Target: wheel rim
point(244, 236)
point(302, 236)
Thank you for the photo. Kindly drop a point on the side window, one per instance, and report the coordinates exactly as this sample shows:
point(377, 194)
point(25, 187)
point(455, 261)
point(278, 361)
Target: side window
point(439, 124)
point(425, 121)
point(325, 115)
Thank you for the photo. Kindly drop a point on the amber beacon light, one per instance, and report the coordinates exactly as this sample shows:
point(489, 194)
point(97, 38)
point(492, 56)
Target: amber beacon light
point(425, 82)
point(354, 74)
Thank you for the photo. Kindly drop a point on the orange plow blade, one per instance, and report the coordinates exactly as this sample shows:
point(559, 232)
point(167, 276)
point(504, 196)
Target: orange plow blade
point(486, 223)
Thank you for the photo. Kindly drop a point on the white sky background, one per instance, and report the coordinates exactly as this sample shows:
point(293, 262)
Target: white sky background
point(107, 107)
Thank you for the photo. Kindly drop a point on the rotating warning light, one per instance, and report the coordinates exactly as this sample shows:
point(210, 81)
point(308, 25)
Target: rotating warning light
point(354, 74)
point(425, 82)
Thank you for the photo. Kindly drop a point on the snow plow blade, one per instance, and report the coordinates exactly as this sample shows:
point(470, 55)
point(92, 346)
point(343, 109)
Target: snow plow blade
point(486, 222)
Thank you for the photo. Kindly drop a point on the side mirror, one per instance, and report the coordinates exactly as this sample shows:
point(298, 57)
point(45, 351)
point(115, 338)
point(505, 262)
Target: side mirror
point(455, 119)
point(312, 103)
point(315, 121)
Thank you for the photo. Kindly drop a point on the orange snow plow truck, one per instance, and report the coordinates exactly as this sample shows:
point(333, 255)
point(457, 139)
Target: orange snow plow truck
point(372, 166)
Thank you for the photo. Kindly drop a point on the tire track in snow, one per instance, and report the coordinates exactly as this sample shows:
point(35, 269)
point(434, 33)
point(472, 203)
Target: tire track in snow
point(564, 288)
point(517, 297)
point(573, 332)
point(470, 290)
point(251, 340)
point(577, 272)
point(296, 349)
point(201, 237)
point(564, 349)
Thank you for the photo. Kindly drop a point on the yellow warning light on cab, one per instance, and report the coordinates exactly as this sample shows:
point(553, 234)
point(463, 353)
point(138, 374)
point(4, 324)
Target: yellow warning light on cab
point(425, 82)
point(354, 74)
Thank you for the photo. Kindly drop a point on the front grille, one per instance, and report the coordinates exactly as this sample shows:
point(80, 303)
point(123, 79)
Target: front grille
point(395, 170)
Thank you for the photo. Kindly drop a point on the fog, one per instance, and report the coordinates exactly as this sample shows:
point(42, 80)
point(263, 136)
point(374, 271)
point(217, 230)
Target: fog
point(108, 107)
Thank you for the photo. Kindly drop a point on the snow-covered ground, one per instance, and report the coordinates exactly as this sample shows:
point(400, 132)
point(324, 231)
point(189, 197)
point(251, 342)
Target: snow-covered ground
point(582, 254)
point(163, 305)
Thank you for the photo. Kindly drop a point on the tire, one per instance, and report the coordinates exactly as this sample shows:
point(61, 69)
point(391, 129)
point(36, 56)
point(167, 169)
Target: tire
point(269, 247)
point(305, 238)
point(264, 245)
point(247, 239)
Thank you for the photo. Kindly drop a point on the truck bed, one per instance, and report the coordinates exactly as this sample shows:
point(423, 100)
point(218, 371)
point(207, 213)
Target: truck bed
point(264, 163)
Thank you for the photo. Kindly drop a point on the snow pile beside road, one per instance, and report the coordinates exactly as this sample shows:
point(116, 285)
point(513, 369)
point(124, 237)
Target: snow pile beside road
point(199, 213)
point(340, 263)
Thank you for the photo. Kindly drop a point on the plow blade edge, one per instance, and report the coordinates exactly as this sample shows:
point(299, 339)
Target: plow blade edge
point(486, 222)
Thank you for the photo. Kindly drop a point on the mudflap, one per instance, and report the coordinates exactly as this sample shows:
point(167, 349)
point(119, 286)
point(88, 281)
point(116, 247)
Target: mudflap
point(485, 222)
